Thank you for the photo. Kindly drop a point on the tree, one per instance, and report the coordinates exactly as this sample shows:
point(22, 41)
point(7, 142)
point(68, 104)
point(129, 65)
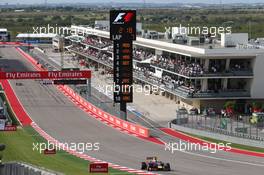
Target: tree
point(257, 106)
point(203, 18)
point(20, 20)
point(230, 106)
point(187, 18)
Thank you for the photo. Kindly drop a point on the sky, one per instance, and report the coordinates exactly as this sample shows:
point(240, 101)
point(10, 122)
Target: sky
point(136, 1)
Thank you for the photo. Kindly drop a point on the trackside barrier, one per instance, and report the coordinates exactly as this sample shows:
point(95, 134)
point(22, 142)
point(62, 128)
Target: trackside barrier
point(32, 60)
point(14, 43)
point(131, 127)
point(17, 168)
point(23, 118)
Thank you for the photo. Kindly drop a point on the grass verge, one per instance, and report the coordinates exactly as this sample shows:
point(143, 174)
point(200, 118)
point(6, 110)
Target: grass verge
point(19, 147)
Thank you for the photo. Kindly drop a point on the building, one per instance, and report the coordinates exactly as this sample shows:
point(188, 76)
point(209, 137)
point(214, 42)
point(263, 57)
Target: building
point(58, 43)
point(4, 35)
point(201, 76)
point(35, 38)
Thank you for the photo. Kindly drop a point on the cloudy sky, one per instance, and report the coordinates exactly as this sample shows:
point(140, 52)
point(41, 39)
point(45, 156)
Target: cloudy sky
point(138, 1)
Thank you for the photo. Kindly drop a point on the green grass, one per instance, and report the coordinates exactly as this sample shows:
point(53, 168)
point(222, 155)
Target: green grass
point(19, 147)
point(233, 145)
point(152, 19)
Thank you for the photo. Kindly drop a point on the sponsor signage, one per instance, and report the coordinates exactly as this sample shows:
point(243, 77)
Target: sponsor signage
point(49, 151)
point(66, 82)
point(11, 43)
point(98, 167)
point(123, 25)
point(46, 75)
point(10, 128)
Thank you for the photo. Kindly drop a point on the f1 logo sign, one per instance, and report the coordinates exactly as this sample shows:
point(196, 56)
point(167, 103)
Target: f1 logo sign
point(122, 18)
point(123, 25)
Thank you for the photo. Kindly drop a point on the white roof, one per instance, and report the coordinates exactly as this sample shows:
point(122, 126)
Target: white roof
point(3, 30)
point(36, 35)
point(178, 48)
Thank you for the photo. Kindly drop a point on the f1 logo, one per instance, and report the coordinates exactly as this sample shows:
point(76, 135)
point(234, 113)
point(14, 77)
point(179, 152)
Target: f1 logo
point(123, 25)
point(119, 17)
point(122, 18)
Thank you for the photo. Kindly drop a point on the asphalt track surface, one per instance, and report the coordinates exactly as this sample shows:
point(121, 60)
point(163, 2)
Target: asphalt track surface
point(61, 119)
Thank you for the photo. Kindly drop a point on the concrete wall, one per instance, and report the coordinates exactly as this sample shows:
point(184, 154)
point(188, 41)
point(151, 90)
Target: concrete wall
point(233, 39)
point(17, 168)
point(257, 87)
point(218, 104)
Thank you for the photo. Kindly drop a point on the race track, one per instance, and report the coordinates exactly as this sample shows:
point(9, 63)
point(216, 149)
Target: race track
point(61, 119)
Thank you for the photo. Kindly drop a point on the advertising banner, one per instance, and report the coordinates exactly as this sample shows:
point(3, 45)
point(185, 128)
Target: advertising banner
point(46, 74)
point(99, 168)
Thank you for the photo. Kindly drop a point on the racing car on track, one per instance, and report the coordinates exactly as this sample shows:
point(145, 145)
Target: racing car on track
point(152, 164)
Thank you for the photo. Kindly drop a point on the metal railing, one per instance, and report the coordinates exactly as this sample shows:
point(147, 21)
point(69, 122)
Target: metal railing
point(230, 73)
point(237, 126)
point(19, 168)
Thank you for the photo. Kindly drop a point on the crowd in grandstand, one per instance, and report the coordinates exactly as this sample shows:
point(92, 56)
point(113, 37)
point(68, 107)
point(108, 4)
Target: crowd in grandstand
point(179, 66)
point(234, 66)
point(140, 54)
point(103, 56)
point(96, 42)
point(185, 67)
point(110, 48)
point(239, 66)
point(166, 81)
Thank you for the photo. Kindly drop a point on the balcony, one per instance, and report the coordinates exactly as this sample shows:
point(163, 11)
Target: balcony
point(230, 73)
point(186, 92)
point(179, 90)
point(194, 74)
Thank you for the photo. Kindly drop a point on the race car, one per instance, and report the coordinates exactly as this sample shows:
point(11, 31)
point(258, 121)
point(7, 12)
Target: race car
point(152, 164)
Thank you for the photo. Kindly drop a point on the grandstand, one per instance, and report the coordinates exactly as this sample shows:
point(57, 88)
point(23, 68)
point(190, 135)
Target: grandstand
point(194, 76)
